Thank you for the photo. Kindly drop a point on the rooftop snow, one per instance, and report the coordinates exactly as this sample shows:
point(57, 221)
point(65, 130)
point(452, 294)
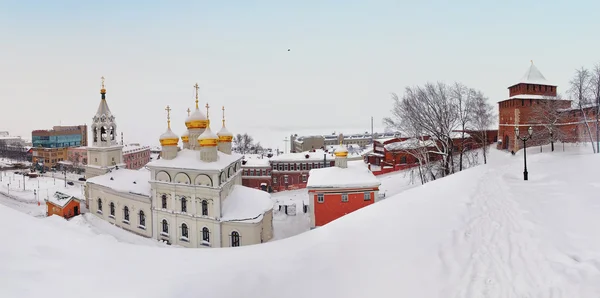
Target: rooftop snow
point(190, 159)
point(354, 176)
point(532, 96)
point(246, 204)
point(299, 157)
point(534, 76)
point(61, 199)
point(256, 162)
point(125, 181)
point(409, 144)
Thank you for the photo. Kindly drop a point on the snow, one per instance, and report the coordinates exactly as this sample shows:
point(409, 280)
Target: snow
point(412, 143)
point(354, 176)
point(61, 199)
point(207, 135)
point(483, 232)
point(459, 135)
point(125, 181)
point(246, 204)
point(197, 115)
point(131, 148)
point(190, 159)
point(532, 96)
point(169, 134)
point(534, 76)
point(256, 162)
point(224, 132)
point(301, 156)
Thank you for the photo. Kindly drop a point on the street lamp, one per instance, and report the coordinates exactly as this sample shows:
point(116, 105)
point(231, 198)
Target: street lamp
point(524, 139)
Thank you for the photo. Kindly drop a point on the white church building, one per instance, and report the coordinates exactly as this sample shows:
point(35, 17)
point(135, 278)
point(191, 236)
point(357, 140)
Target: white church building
point(191, 197)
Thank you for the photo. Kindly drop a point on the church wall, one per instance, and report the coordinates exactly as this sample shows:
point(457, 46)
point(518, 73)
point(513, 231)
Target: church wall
point(135, 203)
point(194, 225)
point(249, 233)
point(267, 226)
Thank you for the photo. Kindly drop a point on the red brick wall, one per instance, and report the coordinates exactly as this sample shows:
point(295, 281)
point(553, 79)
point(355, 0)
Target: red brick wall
point(529, 89)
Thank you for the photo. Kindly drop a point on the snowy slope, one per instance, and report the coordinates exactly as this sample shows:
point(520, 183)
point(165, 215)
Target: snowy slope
point(483, 232)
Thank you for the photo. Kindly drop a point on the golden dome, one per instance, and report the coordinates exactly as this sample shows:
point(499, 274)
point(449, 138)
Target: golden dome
point(208, 138)
point(341, 151)
point(224, 134)
point(196, 120)
point(169, 138)
point(185, 137)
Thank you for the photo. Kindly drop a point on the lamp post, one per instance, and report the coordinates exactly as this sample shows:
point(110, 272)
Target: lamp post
point(524, 139)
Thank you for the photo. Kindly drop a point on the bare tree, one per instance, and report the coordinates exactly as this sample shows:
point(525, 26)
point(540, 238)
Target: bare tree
point(427, 111)
point(463, 97)
point(595, 87)
point(581, 91)
point(482, 119)
point(547, 113)
point(244, 143)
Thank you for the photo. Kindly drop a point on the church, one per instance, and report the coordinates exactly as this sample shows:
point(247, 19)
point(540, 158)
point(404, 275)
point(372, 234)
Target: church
point(191, 197)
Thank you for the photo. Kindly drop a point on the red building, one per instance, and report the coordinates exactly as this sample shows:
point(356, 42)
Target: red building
point(336, 191)
point(518, 111)
point(135, 156)
point(380, 156)
point(291, 170)
point(256, 173)
point(63, 205)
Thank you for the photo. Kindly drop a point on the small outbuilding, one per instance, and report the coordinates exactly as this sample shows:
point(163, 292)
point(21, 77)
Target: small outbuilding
point(63, 205)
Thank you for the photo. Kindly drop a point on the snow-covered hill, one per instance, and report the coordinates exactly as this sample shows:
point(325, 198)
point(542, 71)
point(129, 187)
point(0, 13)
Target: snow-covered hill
point(483, 232)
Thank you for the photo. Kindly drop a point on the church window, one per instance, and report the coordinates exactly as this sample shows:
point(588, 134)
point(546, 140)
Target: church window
point(164, 201)
point(142, 219)
point(235, 239)
point(183, 205)
point(205, 234)
point(184, 231)
point(126, 214)
point(100, 205)
point(112, 209)
point(165, 226)
point(204, 207)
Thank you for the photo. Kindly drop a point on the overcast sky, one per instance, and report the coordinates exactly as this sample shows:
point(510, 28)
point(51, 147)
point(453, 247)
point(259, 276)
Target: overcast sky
point(346, 58)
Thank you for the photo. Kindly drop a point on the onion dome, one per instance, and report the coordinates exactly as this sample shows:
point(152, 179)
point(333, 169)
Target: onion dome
point(208, 138)
point(341, 151)
point(169, 138)
point(224, 134)
point(196, 120)
point(185, 137)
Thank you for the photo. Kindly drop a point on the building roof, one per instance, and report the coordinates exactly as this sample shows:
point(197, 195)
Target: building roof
point(533, 76)
point(60, 199)
point(256, 161)
point(409, 144)
point(134, 148)
point(246, 204)
point(125, 181)
point(532, 96)
point(354, 176)
point(103, 109)
point(302, 156)
point(190, 159)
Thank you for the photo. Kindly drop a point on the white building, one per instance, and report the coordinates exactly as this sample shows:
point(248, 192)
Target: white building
point(191, 197)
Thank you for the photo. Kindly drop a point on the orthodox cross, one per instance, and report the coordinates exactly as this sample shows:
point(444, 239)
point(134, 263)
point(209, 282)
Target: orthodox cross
point(196, 87)
point(168, 109)
point(223, 108)
point(207, 106)
point(102, 78)
point(188, 110)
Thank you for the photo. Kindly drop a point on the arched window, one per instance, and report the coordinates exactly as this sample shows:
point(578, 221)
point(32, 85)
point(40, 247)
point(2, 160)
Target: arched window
point(99, 204)
point(112, 208)
point(165, 226)
point(184, 231)
point(205, 234)
point(204, 207)
point(164, 201)
point(142, 219)
point(235, 239)
point(183, 204)
point(126, 213)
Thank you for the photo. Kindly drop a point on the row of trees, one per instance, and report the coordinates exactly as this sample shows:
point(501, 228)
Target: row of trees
point(438, 110)
point(244, 143)
point(584, 93)
point(12, 151)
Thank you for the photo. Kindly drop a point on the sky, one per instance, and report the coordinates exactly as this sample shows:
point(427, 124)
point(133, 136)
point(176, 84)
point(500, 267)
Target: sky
point(346, 58)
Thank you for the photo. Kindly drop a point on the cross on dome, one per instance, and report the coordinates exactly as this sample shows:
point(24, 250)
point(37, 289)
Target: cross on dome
point(196, 87)
point(168, 109)
point(188, 110)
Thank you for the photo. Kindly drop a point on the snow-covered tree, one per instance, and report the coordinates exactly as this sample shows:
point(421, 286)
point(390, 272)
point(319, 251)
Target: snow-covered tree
point(482, 118)
point(595, 87)
point(582, 92)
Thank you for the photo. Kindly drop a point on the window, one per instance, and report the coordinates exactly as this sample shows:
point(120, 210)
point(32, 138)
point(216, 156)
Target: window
point(280, 167)
point(292, 167)
point(344, 197)
point(367, 196)
point(184, 231)
point(112, 209)
point(126, 214)
point(285, 167)
point(310, 166)
point(274, 180)
point(304, 166)
point(204, 207)
point(264, 172)
point(142, 219)
point(205, 234)
point(165, 227)
point(304, 178)
point(100, 205)
point(235, 239)
point(403, 159)
point(183, 204)
point(320, 198)
point(285, 179)
point(164, 201)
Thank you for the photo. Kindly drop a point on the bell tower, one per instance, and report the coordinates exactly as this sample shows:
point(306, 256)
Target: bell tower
point(105, 153)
